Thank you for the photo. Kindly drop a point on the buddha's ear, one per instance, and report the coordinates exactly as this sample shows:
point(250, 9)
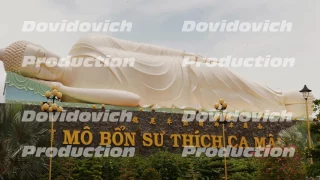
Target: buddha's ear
point(42, 68)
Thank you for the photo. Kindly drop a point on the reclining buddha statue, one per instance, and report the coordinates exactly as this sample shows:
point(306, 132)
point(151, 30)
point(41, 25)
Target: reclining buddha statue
point(157, 78)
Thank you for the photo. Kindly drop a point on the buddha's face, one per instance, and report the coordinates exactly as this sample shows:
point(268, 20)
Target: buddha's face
point(15, 57)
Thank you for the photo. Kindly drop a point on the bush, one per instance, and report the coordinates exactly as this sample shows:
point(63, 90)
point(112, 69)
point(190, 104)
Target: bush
point(166, 164)
point(313, 170)
point(111, 168)
point(150, 173)
point(89, 169)
point(243, 176)
point(133, 167)
point(161, 165)
point(282, 167)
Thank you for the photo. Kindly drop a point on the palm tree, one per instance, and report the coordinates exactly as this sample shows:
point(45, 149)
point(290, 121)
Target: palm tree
point(14, 135)
point(297, 135)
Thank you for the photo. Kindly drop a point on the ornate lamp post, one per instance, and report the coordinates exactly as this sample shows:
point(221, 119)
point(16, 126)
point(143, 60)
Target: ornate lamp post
point(306, 92)
point(221, 106)
point(53, 96)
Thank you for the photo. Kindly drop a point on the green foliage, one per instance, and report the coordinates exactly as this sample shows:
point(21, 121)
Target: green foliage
point(315, 151)
point(133, 167)
point(213, 168)
point(111, 168)
point(66, 167)
point(313, 170)
point(14, 135)
point(189, 167)
point(161, 165)
point(166, 164)
point(298, 136)
point(243, 176)
point(89, 168)
point(243, 165)
point(150, 173)
point(282, 168)
point(316, 108)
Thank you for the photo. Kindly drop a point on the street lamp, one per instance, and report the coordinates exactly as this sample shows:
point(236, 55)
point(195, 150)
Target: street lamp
point(53, 96)
point(305, 93)
point(221, 106)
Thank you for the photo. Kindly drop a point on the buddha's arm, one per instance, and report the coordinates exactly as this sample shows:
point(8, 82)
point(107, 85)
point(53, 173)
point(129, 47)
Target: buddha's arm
point(99, 96)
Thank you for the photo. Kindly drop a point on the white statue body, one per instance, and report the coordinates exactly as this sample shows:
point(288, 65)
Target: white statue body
point(157, 78)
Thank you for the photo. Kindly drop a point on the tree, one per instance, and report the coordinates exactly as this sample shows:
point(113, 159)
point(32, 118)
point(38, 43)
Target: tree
point(298, 166)
point(150, 173)
point(314, 169)
point(14, 135)
point(89, 168)
point(316, 108)
point(166, 164)
point(213, 168)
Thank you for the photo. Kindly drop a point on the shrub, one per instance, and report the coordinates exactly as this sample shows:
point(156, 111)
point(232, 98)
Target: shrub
point(166, 164)
point(150, 173)
point(282, 167)
point(111, 168)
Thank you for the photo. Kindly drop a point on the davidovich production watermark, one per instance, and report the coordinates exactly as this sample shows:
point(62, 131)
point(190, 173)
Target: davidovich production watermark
point(109, 61)
point(77, 115)
point(237, 26)
point(230, 61)
point(234, 116)
point(125, 116)
point(69, 61)
point(239, 151)
point(69, 151)
point(77, 26)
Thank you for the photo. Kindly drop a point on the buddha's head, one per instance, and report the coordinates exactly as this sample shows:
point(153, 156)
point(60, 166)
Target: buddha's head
point(12, 56)
point(15, 54)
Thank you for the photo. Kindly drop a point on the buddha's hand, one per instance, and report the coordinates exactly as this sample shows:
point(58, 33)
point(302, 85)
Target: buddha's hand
point(99, 96)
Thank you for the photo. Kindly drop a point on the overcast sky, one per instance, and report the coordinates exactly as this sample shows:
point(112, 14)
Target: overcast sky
point(160, 22)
